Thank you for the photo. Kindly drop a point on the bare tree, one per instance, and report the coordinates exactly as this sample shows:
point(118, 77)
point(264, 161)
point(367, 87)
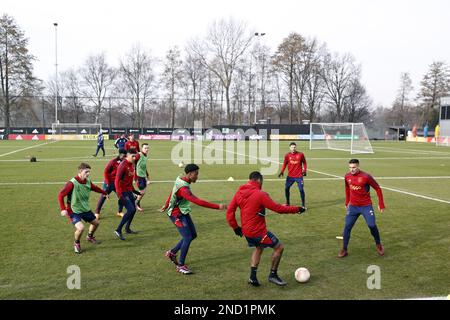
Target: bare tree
point(195, 74)
point(401, 106)
point(225, 42)
point(98, 77)
point(434, 85)
point(357, 106)
point(172, 78)
point(339, 73)
point(136, 70)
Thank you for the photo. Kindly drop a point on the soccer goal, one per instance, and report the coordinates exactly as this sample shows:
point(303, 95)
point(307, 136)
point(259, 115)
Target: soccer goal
point(75, 131)
point(350, 137)
point(443, 141)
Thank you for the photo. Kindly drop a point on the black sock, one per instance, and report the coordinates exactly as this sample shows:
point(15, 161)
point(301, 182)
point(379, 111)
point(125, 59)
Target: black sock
point(77, 241)
point(273, 273)
point(253, 273)
point(90, 235)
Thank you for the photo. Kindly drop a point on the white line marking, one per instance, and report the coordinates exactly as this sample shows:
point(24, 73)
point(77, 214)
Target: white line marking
point(35, 146)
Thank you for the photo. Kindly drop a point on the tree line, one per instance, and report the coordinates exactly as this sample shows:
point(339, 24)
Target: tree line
point(226, 76)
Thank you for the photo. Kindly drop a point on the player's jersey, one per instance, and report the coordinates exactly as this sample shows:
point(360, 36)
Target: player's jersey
point(296, 164)
point(357, 189)
point(132, 145)
point(120, 143)
point(100, 140)
point(124, 178)
point(111, 170)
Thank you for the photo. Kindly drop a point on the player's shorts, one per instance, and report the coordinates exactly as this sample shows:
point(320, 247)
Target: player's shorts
point(141, 183)
point(290, 181)
point(86, 216)
point(268, 241)
point(109, 187)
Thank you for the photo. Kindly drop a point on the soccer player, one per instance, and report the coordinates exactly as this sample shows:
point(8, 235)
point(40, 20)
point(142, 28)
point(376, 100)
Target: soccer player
point(108, 185)
point(100, 143)
point(252, 202)
point(358, 201)
point(125, 191)
point(141, 174)
point(296, 164)
point(179, 209)
point(132, 144)
point(120, 142)
point(77, 191)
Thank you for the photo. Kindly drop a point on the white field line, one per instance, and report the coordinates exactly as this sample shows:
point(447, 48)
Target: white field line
point(418, 150)
point(35, 146)
point(335, 176)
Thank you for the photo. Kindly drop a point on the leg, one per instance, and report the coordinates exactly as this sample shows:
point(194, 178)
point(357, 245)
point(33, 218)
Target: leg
point(102, 199)
point(256, 258)
point(188, 233)
point(79, 228)
point(276, 257)
point(129, 205)
point(96, 151)
point(103, 150)
point(369, 216)
point(142, 185)
point(350, 219)
point(94, 225)
point(302, 191)
point(287, 186)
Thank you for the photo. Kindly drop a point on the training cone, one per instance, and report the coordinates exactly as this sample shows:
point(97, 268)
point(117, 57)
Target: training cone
point(230, 179)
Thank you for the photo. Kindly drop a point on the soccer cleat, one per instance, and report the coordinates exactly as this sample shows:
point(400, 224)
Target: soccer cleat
point(184, 269)
point(343, 253)
point(277, 280)
point(77, 247)
point(119, 235)
point(129, 231)
point(380, 249)
point(119, 214)
point(92, 240)
point(172, 257)
point(253, 282)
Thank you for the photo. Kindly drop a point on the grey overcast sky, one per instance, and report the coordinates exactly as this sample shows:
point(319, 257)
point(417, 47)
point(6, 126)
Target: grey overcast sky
point(386, 37)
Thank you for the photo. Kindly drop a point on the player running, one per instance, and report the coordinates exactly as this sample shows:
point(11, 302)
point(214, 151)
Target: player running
point(125, 191)
point(108, 185)
point(141, 174)
point(252, 202)
point(77, 191)
point(296, 163)
point(100, 143)
point(178, 209)
point(358, 201)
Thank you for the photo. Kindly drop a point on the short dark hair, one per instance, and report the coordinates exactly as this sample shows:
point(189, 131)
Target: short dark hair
point(145, 144)
point(354, 161)
point(292, 144)
point(191, 167)
point(131, 151)
point(255, 175)
point(83, 166)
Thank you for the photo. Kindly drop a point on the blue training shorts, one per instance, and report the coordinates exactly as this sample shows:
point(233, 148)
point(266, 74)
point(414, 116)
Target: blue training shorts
point(141, 183)
point(267, 241)
point(86, 216)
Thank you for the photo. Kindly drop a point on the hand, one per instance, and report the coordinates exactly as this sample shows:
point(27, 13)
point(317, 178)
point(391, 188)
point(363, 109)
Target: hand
point(64, 213)
point(238, 231)
point(162, 209)
point(280, 175)
point(304, 173)
point(302, 209)
point(107, 196)
point(222, 207)
point(381, 209)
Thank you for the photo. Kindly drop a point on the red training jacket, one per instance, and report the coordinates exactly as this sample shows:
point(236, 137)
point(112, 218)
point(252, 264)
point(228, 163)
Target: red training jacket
point(357, 189)
point(252, 200)
point(132, 145)
point(124, 178)
point(111, 170)
point(294, 162)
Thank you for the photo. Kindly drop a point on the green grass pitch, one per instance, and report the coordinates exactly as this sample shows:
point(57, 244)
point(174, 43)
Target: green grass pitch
point(36, 246)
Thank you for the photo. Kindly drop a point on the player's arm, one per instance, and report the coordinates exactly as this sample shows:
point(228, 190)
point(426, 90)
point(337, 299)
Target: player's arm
point(97, 189)
point(107, 172)
point(347, 193)
point(115, 143)
point(185, 193)
point(303, 164)
point(268, 203)
point(285, 162)
point(61, 195)
point(377, 188)
point(231, 217)
point(121, 170)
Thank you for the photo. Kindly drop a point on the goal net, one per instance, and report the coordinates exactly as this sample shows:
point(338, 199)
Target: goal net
point(75, 131)
point(351, 137)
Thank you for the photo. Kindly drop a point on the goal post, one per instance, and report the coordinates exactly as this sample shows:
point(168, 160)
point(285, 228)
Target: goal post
point(351, 137)
point(75, 131)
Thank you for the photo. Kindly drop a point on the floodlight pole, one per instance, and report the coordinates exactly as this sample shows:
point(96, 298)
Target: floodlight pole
point(56, 72)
